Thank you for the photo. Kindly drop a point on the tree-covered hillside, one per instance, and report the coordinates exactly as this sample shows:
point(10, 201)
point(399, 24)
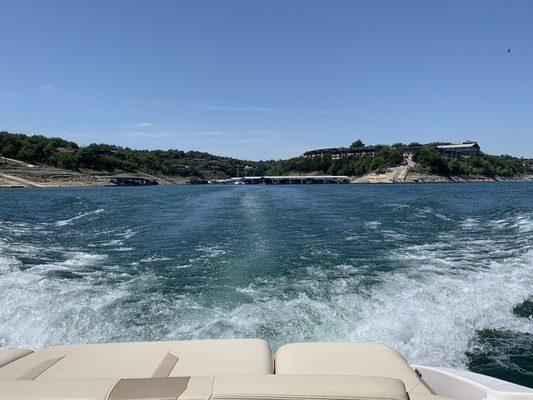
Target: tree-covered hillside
point(431, 161)
point(113, 159)
point(354, 166)
point(428, 160)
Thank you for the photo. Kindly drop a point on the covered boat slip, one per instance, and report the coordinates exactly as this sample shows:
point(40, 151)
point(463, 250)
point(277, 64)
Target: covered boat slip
point(211, 369)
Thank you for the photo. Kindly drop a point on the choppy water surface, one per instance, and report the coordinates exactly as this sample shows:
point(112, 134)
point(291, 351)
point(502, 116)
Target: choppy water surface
point(441, 272)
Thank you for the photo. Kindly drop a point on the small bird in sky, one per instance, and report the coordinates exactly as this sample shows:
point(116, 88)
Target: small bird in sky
point(509, 51)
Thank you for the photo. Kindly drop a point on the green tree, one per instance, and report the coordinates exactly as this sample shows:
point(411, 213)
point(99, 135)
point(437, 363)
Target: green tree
point(357, 143)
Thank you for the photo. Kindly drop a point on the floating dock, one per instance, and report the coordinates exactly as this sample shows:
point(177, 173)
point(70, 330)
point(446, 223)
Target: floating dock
point(283, 180)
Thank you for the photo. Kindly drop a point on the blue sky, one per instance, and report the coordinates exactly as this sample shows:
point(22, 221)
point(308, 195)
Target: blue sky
point(269, 79)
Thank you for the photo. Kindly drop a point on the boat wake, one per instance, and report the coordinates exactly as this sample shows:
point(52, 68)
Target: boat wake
point(435, 287)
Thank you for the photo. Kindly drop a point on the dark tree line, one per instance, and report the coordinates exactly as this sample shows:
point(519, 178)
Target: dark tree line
point(108, 158)
point(430, 160)
point(353, 166)
point(112, 159)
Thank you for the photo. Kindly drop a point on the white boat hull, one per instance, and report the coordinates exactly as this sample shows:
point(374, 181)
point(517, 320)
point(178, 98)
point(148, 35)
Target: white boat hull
point(465, 385)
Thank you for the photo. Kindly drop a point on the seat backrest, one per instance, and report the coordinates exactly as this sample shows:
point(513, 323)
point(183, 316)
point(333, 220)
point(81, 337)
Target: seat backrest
point(356, 359)
point(143, 360)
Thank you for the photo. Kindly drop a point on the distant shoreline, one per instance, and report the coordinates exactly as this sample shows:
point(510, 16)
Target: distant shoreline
point(428, 178)
point(47, 177)
point(19, 174)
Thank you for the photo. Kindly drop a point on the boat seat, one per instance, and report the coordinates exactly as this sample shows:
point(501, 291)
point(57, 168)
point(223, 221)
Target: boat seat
point(243, 387)
point(425, 396)
point(307, 387)
point(142, 360)
point(9, 355)
point(363, 359)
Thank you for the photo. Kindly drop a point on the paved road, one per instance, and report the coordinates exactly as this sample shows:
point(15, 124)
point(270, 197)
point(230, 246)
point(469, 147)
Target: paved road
point(398, 173)
point(21, 180)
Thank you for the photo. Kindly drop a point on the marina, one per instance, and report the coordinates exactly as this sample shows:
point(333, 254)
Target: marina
point(282, 180)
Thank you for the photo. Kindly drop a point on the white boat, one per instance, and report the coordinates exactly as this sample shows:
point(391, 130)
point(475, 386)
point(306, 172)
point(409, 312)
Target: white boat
point(231, 369)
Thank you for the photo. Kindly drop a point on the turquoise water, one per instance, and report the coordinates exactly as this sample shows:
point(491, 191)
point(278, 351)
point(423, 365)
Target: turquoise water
point(443, 273)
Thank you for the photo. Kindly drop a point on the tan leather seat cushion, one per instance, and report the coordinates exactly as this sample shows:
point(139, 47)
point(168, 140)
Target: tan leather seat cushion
point(256, 387)
point(194, 388)
point(9, 355)
point(143, 360)
point(426, 396)
point(360, 359)
point(71, 389)
point(307, 387)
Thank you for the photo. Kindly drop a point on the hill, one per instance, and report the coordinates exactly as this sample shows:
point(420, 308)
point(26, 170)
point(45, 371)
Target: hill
point(106, 158)
point(110, 159)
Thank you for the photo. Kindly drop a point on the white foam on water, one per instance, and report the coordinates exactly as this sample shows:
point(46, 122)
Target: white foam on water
point(429, 306)
point(430, 317)
point(154, 259)
point(443, 217)
point(372, 224)
point(399, 206)
point(352, 238)
point(128, 233)
point(469, 223)
point(39, 311)
point(524, 223)
point(81, 215)
point(123, 248)
point(390, 234)
point(424, 212)
point(211, 251)
point(114, 242)
point(75, 262)
point(184, 266)
point(15, 228)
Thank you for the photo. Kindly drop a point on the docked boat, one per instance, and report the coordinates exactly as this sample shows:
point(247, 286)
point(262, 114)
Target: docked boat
point(236, 369)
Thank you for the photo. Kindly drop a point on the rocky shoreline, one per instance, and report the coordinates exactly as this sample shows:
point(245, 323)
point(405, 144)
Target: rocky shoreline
point(404, 174)
point(42, 176)
point(428, 178)
point(39, 176)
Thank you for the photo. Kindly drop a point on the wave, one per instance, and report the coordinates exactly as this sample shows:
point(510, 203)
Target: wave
point(430, 308)
point(372, 224)
point(154, 259)
point(81, 215)
point(427, 297)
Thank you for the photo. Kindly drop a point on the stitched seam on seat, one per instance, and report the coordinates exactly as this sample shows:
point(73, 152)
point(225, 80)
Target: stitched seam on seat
point(166, 366)
point(291, 397)
point(149, 388)
point(112, 388)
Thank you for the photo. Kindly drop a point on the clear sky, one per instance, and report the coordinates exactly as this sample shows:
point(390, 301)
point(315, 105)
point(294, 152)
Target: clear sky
point(269, 79)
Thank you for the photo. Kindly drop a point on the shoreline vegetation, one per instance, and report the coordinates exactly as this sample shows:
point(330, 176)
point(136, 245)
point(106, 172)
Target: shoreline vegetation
point(39, 161)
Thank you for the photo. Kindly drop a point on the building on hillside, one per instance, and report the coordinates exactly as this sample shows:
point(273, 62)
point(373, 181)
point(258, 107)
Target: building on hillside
point(528, 164)
point(132, 180)
point(411, 149)
point(66, 150)
point(468, 148)
point(337, 153)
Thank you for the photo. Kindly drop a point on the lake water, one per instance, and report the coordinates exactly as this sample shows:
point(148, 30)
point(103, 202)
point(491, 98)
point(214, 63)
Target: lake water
point(443, 273)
